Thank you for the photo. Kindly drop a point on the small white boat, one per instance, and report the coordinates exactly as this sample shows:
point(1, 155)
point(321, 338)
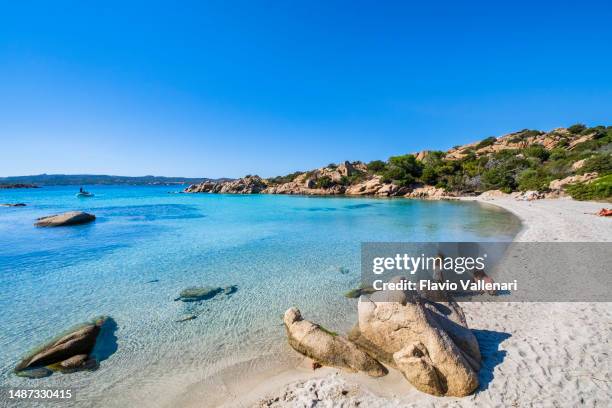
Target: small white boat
point(83, 194)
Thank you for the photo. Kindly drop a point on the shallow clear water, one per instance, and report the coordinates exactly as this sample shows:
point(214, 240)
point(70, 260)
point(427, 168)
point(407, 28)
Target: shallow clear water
point(280, 251)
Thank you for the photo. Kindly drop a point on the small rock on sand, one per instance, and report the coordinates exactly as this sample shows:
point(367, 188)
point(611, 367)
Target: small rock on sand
point(327, 348)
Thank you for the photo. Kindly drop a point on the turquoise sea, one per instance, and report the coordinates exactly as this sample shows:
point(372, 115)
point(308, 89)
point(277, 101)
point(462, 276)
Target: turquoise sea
point(148, 243)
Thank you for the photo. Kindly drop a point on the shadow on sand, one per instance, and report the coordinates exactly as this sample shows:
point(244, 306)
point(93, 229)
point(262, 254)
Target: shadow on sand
point(489, 342)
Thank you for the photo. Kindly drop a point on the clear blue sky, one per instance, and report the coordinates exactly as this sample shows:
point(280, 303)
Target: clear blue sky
point(227, 88)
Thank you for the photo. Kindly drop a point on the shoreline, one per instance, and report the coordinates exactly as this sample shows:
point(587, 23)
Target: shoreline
point(527, 347)
point(554, 220)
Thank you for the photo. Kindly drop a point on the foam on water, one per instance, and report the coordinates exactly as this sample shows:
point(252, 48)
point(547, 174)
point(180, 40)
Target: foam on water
point(279, 250)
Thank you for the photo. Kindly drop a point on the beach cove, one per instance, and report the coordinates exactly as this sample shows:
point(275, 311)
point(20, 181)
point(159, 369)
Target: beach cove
point(534, 354)
point(147, 244)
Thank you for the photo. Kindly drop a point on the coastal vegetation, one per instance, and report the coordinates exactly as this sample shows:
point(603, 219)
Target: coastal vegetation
point(571, 161)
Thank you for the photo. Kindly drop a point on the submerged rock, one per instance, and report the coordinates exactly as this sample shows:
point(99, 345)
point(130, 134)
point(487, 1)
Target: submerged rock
point(196, 293)
point(343, 270)
point(65, 219)
point(326, 347)
point(362, 290)
point(187, 318)
point(68, 353)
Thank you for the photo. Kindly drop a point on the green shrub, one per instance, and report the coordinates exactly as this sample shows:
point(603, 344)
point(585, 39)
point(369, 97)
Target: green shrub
point(532, 179)
point(324, 182)
point(601, 163)
point(537, 151)
point(284, 179)
point(563, 142)
point(498, 179)
point(600, 189)
point(577, 128)
point(486, 142)
point(597, 132)
point(402, 170)
point(429, 175)
point(376, 166)
point(557, 154)
point(435, 156)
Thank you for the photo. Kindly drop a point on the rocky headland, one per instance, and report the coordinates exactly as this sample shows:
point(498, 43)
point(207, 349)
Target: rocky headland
point(531, 164)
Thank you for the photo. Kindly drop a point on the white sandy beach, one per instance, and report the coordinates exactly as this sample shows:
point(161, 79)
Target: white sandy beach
point(534, 354)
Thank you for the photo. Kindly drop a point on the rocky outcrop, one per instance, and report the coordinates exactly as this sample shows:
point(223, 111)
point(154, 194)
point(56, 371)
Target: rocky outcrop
point(529, 195)
point(327, 348)
point(330, 180)
point(518, 140)
point(374, 186)
point(65, 219)
point(583, 178)
point(434, 350)
point(358, 179)
point(429, 193)
point(577, 165)
point(295, 188)
point(429, 342)
point(367, 187)
point(71, 352)
point(245, 185)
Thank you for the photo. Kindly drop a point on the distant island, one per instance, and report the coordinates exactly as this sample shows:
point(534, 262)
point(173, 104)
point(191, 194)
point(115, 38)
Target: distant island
point(88, 179)
point(7, 186)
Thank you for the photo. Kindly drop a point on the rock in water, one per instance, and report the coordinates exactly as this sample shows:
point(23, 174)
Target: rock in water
point(430, 343)
point(196, 293)
point(69, 353)
point(65, 219)
point(362, 290)
point(327, 348)
point(186, 318)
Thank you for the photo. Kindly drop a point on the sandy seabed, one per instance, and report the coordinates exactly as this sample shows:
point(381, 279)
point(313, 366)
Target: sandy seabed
point(534, 354)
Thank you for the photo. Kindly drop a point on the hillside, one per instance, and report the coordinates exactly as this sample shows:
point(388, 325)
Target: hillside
point(88, 179)
point(575, 161)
